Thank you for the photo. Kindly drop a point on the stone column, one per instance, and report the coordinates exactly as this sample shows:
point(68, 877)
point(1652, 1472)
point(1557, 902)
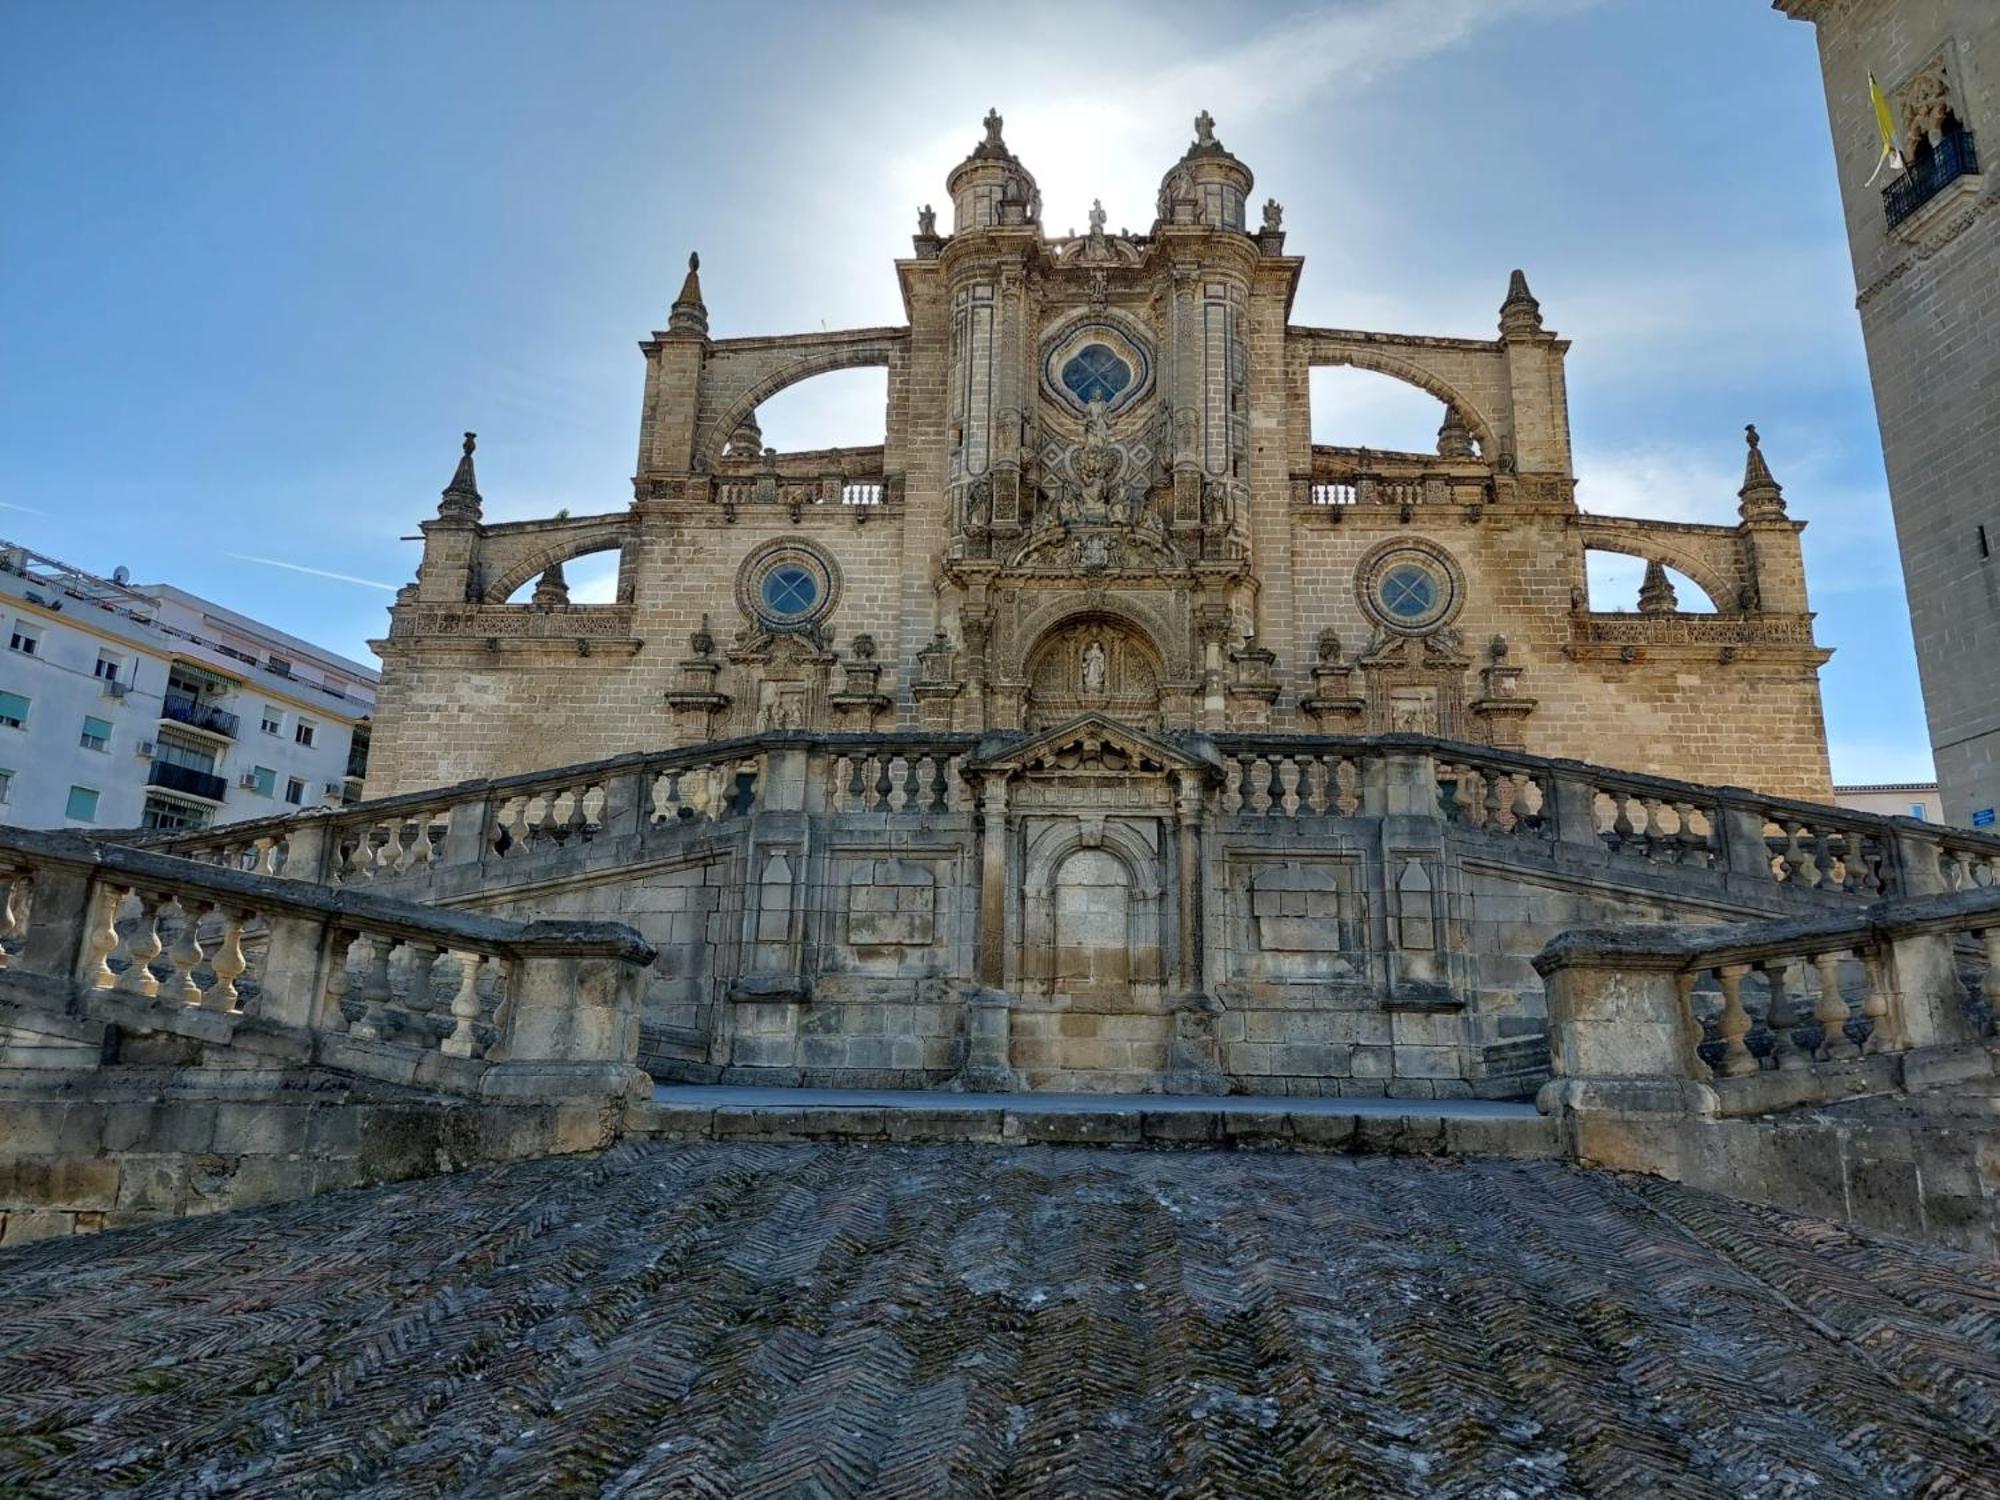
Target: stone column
point(993, 883)
point(1188, 959)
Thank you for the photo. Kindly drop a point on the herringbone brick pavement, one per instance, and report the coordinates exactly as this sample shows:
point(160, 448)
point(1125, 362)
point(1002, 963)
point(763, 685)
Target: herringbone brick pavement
point(822, 1321)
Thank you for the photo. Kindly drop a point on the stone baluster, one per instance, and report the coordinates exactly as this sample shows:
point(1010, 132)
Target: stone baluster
point(1684, 983)
point(885, 784)
point(1287, 773)
point(1781, 1016)
point(1795, 858)
point(13, 911)
point(1734, 1023)
point(1622, 829)
point(1830, 1010)
point(1494, 804)
point(142, 947)
point(1830, 870)
point(185, 955)
point(464, 1007)
point(912, 787)
point(1883, 1034)
point(227, 962)
point(424, 959)
point(375, 990)
point(1528, 812)
point(101, 941)
point(1691, 845)
point(339, 940)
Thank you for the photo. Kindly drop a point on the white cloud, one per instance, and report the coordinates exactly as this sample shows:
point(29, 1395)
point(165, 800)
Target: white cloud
point(1662, 483)
point(292, 567)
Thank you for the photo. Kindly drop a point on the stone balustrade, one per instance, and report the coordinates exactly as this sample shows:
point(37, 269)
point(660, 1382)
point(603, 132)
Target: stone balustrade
point(904, 775)
point(1653, 820)
point(1342, 477)
point(1744, 1019)
point(303, 974)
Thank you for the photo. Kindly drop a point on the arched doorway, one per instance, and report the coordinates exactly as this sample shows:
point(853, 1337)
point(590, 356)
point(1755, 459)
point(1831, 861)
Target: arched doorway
point(1092, 910)
point(1093, 664)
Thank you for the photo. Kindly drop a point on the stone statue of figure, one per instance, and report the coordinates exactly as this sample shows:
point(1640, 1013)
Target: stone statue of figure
point(1097, 216)
point(927, 222)
point(1274, 216)
point(1204, 129)
point(1093, 667)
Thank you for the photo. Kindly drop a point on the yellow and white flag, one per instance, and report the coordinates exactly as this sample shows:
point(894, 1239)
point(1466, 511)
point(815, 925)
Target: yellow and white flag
point(1885, 122)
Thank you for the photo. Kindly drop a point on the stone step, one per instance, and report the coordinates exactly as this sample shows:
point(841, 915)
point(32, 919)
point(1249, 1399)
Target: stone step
point(1396, 1126)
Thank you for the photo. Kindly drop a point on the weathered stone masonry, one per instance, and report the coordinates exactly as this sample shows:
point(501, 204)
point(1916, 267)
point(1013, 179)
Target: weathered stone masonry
point(1098, 458)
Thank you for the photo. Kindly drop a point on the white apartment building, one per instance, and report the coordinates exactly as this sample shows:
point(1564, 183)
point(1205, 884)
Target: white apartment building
point(141, 705)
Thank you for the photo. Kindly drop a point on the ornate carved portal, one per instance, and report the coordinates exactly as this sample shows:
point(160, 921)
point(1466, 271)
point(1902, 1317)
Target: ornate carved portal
point(1093, 665)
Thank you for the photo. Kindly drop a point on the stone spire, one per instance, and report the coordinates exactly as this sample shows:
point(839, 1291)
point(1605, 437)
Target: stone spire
point(1761, 497)
point(1656, 592)
point(461, 496)
point(1454, 437)
point(552, 591)
point(1520, 314)
point(690, 314)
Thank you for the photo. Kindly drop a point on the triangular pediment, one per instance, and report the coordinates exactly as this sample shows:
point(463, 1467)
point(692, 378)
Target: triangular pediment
point(1092, 743)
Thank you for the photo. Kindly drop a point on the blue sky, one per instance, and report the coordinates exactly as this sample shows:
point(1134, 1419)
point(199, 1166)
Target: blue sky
point(261, 264)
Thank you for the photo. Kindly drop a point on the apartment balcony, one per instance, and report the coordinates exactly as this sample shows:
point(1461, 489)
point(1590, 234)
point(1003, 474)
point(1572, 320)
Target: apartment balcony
point(1954, 156)
point(205, 786)
point(192, 713)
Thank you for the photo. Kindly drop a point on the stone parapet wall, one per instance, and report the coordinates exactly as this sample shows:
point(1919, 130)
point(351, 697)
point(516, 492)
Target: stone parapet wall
point(114, 1149)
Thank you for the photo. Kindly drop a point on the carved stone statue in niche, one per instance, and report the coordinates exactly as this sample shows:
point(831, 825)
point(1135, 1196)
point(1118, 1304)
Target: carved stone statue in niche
point(1094, 664)
point(1093, 667)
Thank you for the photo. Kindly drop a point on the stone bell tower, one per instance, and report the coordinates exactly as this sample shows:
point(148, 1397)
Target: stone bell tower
point(1925, 239)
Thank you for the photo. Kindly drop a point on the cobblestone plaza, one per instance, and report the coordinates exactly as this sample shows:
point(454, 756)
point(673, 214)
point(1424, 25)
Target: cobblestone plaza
point(749, 1320)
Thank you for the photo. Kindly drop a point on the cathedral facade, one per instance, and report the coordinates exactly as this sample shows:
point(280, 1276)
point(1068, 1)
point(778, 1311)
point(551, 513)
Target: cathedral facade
point(1098, 494)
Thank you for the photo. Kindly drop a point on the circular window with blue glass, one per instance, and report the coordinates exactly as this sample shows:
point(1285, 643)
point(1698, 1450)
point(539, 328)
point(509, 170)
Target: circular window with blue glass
point(787, 584)
point(1410, 586)
point(1101, 357)
point(1096, 373)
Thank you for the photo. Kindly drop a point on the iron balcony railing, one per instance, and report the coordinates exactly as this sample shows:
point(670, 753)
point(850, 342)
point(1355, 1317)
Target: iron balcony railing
point(187, 780)
point(183, 709)
point(1954, 156)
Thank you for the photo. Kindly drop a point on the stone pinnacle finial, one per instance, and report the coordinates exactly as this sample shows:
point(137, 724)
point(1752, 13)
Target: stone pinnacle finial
point(1656, 592)
point(1762, 498)
point(1520, 314)
point(690, 313)
point(461, 496)
point(552, 591)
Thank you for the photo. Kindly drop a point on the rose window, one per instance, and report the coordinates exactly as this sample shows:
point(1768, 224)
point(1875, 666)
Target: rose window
point(1096, 373)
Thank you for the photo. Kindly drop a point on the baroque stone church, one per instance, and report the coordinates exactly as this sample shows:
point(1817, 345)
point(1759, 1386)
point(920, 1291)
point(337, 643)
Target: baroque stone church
point(1099, 729)
point(1098, 492)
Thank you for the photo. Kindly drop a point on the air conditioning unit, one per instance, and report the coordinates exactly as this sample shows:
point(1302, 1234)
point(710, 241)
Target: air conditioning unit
point(146, 749)
point(248, 779)
point(116, 689)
